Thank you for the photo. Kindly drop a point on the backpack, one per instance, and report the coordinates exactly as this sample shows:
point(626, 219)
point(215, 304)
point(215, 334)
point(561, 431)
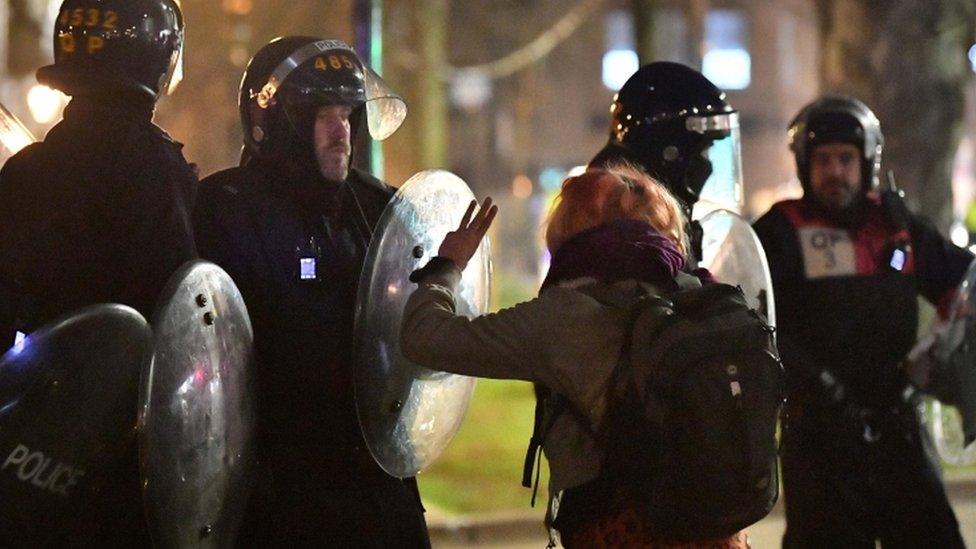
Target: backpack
point(690, 429)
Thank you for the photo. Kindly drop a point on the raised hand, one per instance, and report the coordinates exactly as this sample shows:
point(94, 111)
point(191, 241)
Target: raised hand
point(460, 245)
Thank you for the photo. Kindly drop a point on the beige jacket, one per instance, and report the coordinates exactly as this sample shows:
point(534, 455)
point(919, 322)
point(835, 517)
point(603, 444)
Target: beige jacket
point(563, 339)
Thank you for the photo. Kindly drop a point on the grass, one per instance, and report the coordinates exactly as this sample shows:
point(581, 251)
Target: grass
point(482, 468)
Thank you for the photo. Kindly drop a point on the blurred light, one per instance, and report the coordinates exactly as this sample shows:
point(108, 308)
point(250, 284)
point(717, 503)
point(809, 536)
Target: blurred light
point(238, 7)
point(521, 186)
point(551, 179)
point(618, 66)
point(972, 57)
point(727, 62)
point(728, 69)
point(578, 170)
point(45, 104)
point(239, 56)
point(470, 89)
point(959, 234)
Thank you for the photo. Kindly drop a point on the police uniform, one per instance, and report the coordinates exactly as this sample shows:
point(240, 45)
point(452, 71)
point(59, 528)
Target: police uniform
point(97, 213)
point(295, 244)
point(847, 305)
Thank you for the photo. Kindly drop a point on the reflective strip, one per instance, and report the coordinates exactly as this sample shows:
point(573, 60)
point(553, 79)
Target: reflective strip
point(713, 123)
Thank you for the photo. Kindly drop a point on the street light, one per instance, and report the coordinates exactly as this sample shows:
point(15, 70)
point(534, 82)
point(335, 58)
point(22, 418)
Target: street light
point(45, 104)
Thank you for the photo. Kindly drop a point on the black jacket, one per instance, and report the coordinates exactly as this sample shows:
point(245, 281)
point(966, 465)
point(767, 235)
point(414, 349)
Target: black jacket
point(259, 223)
point(316, 481)
point(98, 212)
point(840, 304)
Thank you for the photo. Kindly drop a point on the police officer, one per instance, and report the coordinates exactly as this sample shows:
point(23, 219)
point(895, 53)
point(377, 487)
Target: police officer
point(291, 225)
point(848, 263)
point(100, 210)
point(671, 121)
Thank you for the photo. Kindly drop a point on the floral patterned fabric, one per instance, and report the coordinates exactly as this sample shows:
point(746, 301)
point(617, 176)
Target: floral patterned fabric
point(628, 529)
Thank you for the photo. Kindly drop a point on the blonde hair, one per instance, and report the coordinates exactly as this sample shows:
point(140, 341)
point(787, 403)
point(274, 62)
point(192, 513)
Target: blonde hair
point(618, 191)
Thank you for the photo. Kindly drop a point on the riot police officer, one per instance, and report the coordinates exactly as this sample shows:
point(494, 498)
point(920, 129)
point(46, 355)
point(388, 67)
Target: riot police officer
point(680, 128)
point(291, 225)
point(100, 210)
point(848, 262)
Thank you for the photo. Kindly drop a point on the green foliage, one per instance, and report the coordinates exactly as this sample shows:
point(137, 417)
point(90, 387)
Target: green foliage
point(482, 469)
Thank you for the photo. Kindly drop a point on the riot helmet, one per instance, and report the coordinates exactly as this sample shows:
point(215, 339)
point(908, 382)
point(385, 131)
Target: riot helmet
point(289, 78)
point(679, 127)
point(110, 45)
point(837, 119)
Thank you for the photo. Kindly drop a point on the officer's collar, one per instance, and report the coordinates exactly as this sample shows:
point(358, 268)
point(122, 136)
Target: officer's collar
point(111, 105)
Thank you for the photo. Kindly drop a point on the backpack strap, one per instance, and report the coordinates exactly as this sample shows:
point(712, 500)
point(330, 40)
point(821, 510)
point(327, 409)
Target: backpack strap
point(548, 407)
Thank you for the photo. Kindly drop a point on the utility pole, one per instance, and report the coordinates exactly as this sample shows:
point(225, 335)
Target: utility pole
point(643, 12)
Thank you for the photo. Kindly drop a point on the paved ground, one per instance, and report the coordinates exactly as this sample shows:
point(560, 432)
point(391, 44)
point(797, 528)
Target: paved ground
point(523, 530)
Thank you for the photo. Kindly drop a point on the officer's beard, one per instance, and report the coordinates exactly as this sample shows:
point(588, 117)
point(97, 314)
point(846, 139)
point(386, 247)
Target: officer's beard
point(849, 216)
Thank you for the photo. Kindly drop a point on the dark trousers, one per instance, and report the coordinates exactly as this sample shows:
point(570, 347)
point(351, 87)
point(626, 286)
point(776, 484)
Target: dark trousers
point(318, 507)
point(841, 492)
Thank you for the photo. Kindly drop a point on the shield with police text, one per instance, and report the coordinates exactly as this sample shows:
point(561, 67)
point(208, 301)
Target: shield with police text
point(197, 412)
point(953, 376)
point(408, 413)
point(13, 135)
point(68, 403)
point(732, 252)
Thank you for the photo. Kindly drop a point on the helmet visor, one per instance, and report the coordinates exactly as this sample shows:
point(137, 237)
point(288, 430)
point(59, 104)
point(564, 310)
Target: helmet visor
point(174, 75)
point(329, 72)
point(723, 188)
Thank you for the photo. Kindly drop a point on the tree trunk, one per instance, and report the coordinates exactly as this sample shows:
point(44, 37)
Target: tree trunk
point(907, 60)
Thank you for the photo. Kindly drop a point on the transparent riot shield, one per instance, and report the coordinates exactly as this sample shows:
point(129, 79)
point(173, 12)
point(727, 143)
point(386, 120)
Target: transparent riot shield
point(723, 188)
point(13, 135)
point(68, 396)
point(952, 379)
point(732, 252)
point(197, 413)
point(409, 414)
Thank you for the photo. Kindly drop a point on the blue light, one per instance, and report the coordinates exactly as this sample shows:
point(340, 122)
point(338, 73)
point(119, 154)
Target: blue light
point(618, 66)
point(551, 179)
point(20, 341)
point(307, 265)
point(898, 259)
point(972, 57)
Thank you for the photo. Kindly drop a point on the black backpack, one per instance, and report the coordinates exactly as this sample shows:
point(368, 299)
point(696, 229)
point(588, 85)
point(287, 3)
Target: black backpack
point(690, 429)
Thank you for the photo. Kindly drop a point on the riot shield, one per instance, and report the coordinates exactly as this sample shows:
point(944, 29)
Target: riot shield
point(732, 252)
point(409, 414)
point(196, 411)
point(13, 135)
point(953, 376)
point(68, 395)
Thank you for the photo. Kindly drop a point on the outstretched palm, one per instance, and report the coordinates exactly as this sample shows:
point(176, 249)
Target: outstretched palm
point(460, 245)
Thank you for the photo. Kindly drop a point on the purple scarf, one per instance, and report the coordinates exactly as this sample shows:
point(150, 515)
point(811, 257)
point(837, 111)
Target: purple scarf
point(619, 250)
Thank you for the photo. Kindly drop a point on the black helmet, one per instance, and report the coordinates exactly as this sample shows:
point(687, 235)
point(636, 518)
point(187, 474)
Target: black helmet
point(837, 119)
point(663, 118)
point(106, 45)
point(290, 77)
